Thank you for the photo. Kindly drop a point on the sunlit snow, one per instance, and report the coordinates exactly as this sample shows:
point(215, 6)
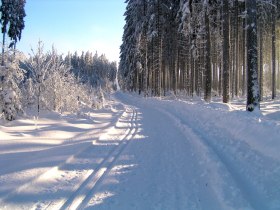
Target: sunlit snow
point(144, 154)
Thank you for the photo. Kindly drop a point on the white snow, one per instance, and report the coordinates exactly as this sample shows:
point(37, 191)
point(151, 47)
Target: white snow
point(138, 153)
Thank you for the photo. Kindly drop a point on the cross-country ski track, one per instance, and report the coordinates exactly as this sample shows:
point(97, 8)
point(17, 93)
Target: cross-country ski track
point(148, 154)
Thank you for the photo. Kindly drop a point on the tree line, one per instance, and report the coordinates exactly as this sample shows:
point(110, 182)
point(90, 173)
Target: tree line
point(226, 48)
point(51, 81)
point(47, 80)
point(93, 68)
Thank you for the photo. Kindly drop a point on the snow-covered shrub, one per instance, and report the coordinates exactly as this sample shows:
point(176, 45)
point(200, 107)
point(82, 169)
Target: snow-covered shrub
point(38, 66)
point(10, 94)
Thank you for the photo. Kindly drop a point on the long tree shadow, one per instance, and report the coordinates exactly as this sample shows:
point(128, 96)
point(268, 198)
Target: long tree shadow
point(88, 154)
point(21, 156)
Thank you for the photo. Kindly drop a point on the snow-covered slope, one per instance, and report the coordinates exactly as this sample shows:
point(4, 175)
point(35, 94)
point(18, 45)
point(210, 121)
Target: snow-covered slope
point(144, 154)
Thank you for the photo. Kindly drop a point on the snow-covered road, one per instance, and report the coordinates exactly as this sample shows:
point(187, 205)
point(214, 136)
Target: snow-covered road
point(145, 154)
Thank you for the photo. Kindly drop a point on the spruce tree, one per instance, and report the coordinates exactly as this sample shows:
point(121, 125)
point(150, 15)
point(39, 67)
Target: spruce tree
point(16, 21)
point(5, 10)
point(12, 21)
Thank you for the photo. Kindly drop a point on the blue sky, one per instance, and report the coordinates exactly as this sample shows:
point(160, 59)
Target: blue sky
point(74, 25)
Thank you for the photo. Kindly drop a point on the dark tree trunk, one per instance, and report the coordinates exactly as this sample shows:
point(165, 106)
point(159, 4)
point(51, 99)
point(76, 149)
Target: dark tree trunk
point(208, 70)
point(252, 57)
point(226, 51)
point(145, 41)
point(261, 61)
point(158, 51)
point(236, 68)
point(3, 49)
point(273, 52)
point(244, 58)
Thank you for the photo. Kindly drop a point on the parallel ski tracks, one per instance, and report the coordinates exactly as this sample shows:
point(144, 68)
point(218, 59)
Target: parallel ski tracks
point(84, 193)
point(85, 190)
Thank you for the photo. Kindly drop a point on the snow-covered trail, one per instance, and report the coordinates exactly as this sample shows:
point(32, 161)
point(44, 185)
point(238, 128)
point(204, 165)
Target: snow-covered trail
point(39, 172)
point(170, 172)
point(149, 154)
point(194, 158)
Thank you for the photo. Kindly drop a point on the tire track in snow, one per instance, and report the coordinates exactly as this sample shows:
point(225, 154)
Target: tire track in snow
point(253, 198)
point(86, 190)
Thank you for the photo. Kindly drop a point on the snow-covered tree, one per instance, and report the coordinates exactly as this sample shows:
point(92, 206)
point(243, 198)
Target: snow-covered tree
point(130, 54)
point(12, 15)
point(39, 65)
point(10, 93)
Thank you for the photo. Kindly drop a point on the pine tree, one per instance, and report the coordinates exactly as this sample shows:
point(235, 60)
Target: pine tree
point(132, 58)
point(16, 21)
point(5, 11)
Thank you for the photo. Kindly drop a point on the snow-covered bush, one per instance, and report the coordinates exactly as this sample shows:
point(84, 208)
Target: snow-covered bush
point(10, 94)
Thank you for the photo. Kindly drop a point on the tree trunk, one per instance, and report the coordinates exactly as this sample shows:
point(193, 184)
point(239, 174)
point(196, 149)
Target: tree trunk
point(208, 70)
point(3, 49)
point(226, 51)
point(220, 79)
point(252, 57)
point(261, 61)
point(236, 90)
point(244, 58)
point(145, 41)
point(273, 52)
point(158, 51)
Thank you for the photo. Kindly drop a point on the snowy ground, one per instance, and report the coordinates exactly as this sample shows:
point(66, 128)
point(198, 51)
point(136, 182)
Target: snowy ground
point(144, 154)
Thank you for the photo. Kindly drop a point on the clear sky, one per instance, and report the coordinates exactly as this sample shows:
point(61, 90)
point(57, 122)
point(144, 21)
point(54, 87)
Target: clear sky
point(74, 25)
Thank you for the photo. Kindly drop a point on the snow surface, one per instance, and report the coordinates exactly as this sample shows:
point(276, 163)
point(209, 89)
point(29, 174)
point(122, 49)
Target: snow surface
point(137, 153)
